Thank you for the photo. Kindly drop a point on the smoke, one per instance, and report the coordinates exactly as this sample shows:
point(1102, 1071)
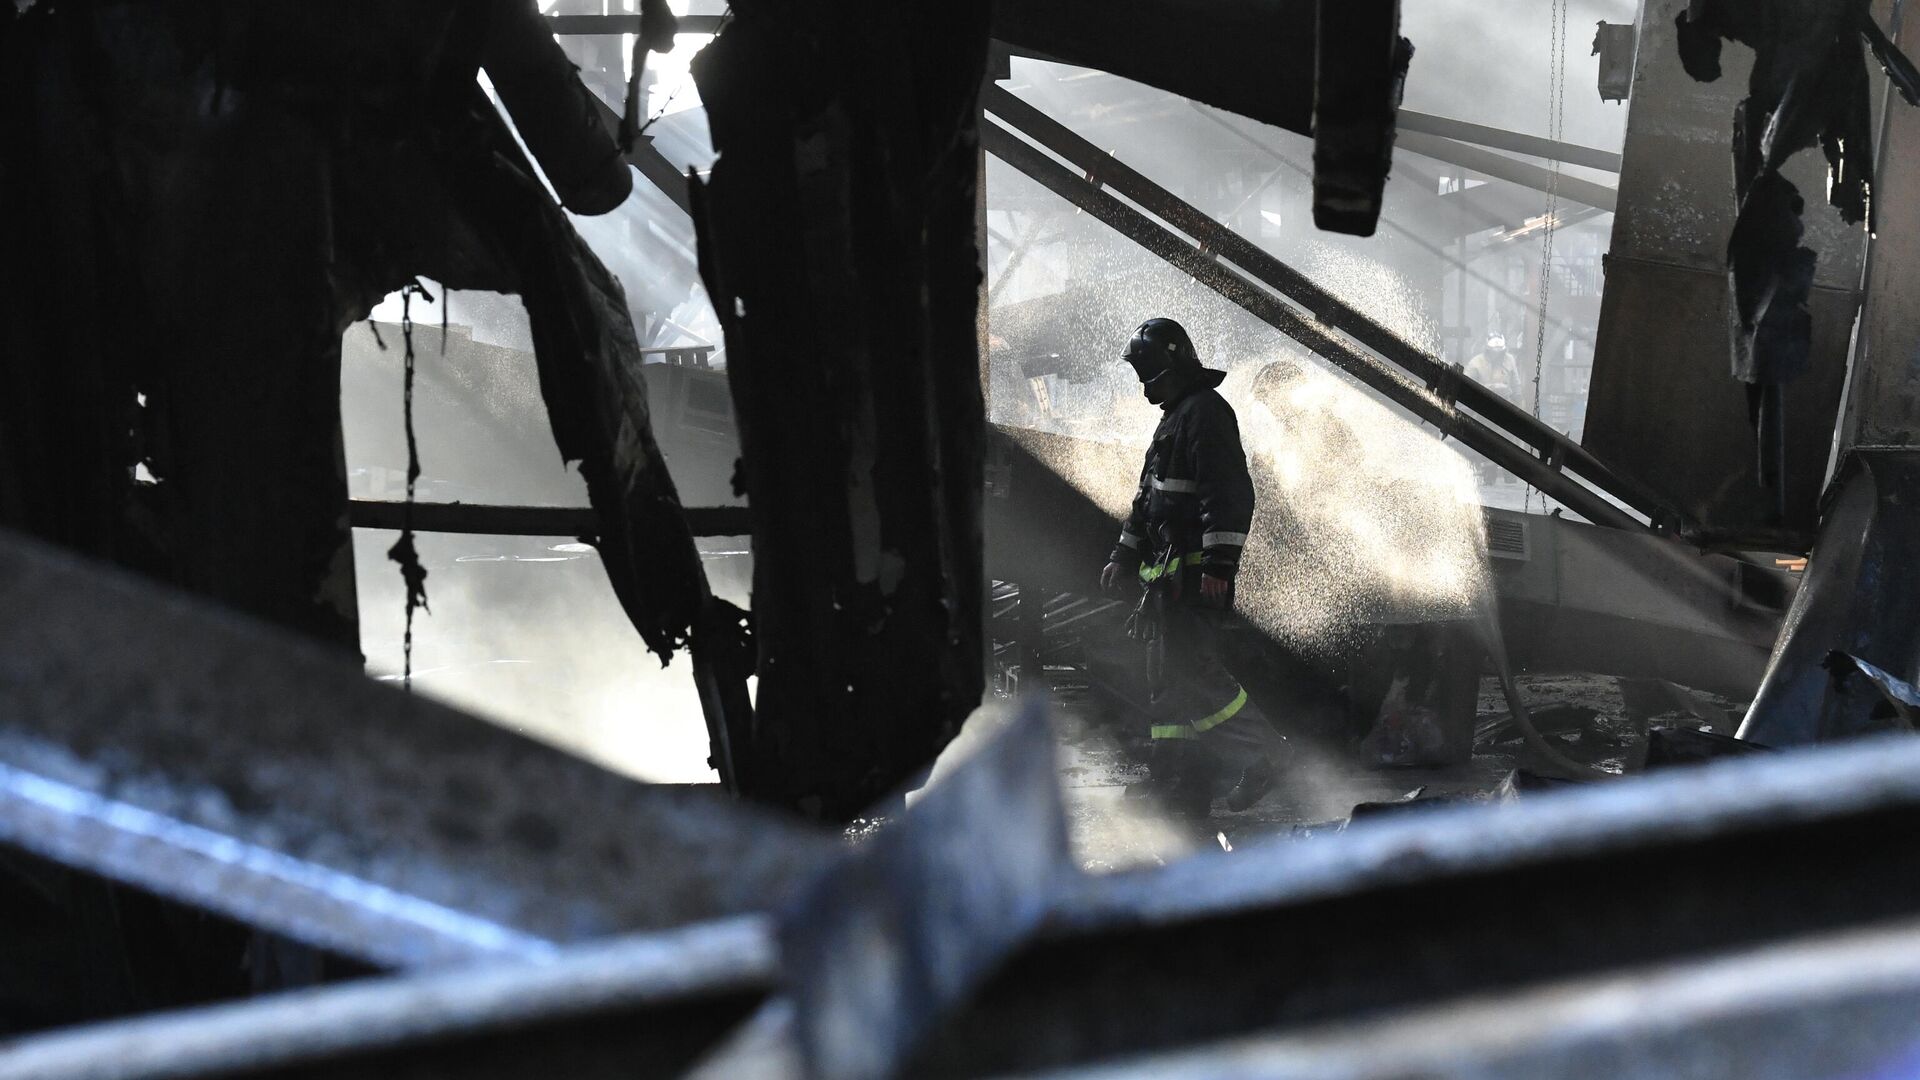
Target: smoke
point(526, 632)
point(1363, 517)
point(1368, 517)
point(522, 631)
point(1488, 61)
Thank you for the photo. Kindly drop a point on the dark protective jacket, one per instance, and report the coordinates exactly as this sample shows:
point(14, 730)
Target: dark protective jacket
point(1195, 500)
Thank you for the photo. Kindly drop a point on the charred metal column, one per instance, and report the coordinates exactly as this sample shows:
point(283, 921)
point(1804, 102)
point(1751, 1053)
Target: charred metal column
point(1883, 395)
point(837, 242)
point(1665, 409)
point(1852, 623)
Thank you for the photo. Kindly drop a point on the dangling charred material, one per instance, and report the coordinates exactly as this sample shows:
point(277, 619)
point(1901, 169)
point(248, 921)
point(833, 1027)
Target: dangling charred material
point(1809, 86)
point(173, 164)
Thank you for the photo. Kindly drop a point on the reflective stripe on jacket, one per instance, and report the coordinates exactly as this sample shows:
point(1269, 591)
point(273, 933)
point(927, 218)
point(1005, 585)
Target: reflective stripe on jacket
point(1195, 494)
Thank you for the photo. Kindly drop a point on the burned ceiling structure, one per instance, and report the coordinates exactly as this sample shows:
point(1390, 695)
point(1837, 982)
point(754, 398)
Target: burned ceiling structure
point(844, 448)
point(1809, 86)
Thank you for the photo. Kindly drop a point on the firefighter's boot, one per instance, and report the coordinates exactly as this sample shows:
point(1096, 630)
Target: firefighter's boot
point(1255, 781)
point(1181, 776)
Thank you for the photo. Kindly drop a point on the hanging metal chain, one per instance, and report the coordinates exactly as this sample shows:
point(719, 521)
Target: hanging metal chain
point(403, 552)
point(1556, 124)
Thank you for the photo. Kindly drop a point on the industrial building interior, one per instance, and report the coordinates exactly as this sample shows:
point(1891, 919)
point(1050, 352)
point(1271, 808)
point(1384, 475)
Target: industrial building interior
point(577, 538)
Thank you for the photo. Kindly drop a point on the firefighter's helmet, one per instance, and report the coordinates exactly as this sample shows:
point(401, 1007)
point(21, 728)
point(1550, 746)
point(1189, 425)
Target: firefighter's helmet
point(1160, 346)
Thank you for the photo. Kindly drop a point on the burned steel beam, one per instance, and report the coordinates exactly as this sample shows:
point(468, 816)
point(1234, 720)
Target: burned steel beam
point(1325, 315)
point(156, 740)
point(1542, 472)
point(526, 520)
point(996, 823)
point(883, 946)
point(552, 111)
point(837, 237)
point(1501, 167)
point(1332, 72)
point(1511, 141)
point(1359, 76)
point(1254, 58)
point(644, 156)
point(566, 25)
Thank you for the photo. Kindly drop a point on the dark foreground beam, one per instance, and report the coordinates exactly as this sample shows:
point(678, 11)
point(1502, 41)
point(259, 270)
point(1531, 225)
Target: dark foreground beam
point(1765, 908)
point(639, 1007)
point(879, 947)
point(1332, 69)
point(1252, 57)
point(1830, 1005)
point(165, 743)
point(1678, 870)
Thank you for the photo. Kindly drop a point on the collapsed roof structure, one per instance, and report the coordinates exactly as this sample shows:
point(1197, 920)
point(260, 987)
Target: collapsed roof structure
point(193, 767)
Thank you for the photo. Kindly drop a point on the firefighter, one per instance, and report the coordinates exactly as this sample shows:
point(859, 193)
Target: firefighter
point(1182, 541)
point(1495, 369)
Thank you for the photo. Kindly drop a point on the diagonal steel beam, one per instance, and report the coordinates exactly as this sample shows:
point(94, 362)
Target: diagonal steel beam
point(1514, 141)
point(1418, 239)
point(1498, 424)
point(1502, 167)
point(647, 157)
point(1394, 385)
point(160, 741)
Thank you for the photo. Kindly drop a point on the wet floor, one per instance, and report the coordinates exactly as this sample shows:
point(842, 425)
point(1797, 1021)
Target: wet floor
point(1585, 717)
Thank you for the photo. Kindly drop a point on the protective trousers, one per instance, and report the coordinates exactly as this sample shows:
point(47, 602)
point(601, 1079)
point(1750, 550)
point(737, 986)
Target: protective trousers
point(1194, 695)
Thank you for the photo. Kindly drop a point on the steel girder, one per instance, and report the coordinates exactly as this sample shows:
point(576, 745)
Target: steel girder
point(1764, 898)
point(1432, 391)
point(1833, 1005)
